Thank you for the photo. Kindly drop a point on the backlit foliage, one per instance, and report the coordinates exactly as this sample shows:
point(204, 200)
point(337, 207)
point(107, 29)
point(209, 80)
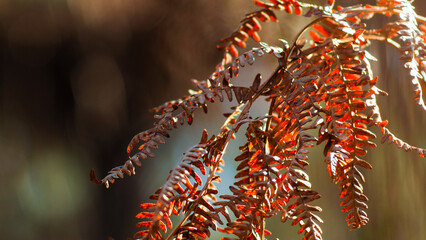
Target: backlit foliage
point(322, 90)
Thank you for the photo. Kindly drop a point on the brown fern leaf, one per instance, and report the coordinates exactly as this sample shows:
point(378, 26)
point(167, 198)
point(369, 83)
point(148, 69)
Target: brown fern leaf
point(285, 135)
point(200, 214)
point(202, 218)
point(290, 6)
point(295, 104)
point(118, 172)
point(389, 137)
point(300, 211)
point(250, 26)
point(199, 218)
point(410, 41)
point(175, 194)
point(411, 44)
point(290, 142)
point(151, 138)
point(252, 196)
point(348, 134)
point(344, 99)
point(295, 184)
point(225, 71)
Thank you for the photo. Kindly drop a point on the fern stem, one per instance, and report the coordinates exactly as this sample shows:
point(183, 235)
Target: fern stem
point(268, 122)
point(381, 10)
point(374, 37)
point(296, 39)
point(262, 227)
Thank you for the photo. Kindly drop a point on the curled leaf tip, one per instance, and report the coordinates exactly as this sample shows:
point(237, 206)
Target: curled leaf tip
point(93, 177)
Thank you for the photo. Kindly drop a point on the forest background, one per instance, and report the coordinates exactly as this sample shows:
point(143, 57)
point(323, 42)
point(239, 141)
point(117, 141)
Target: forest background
point(77, 78)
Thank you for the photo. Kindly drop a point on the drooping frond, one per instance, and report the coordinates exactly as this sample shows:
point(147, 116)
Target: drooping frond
point(347, 128)
point(389, 137)
point(412, 47)
point(176, 194)
point(252, 196)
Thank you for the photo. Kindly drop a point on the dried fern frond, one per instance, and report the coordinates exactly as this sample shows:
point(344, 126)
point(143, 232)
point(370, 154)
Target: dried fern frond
point(412, 47)
point(322, 90)
point(250, 25)
point(176, 194)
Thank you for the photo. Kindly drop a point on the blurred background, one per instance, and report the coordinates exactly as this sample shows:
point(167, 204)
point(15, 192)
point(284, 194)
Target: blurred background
point(77, 78)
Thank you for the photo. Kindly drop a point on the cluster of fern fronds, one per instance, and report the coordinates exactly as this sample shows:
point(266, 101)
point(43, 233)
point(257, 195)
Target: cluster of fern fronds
point(322, 90)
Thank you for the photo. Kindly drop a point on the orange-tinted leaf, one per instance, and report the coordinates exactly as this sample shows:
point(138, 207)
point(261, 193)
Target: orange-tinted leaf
point(233, 51)
point(162, 226)
point(260, 3)
point(141, 234)
point(145, 215)
point(147, 205)
point(146, 224)
point(297, 10)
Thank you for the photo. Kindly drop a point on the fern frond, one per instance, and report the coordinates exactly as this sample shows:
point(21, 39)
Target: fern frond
point(198, 217)
point(250, 25)
point(252, 196)
point(290, 142)
point(390, 138)
point(348, 129)
point(176, 194)
point(412, 48)
point(151, 138)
